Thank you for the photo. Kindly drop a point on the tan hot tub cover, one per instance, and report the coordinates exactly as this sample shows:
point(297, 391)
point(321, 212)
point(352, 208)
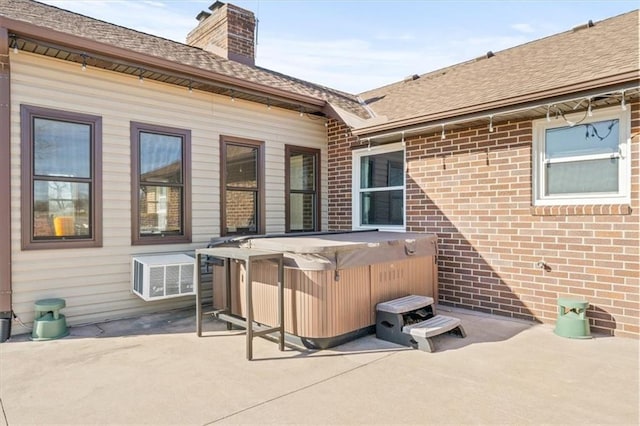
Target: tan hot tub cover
point(346, 250)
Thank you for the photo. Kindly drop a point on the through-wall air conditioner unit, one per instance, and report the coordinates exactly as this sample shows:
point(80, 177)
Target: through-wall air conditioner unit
point(162, 276)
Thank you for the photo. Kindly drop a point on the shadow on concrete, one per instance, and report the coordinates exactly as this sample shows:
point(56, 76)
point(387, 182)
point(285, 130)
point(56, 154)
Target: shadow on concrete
point(480, 328)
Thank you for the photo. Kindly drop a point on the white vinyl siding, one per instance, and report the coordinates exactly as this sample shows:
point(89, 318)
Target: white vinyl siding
point(95, 282)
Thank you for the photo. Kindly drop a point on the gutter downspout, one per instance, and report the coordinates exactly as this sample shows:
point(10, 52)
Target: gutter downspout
point(6, 312)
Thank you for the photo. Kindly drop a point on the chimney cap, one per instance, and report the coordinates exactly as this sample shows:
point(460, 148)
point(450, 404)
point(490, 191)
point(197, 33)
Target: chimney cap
point(202, 16)
point(216, 5)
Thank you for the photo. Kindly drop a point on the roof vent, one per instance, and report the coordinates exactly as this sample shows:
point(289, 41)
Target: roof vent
point(411, 78)
point(583, 26)
point(487, 55)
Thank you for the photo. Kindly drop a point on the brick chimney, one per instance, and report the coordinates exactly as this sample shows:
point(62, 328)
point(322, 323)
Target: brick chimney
point(227, 31)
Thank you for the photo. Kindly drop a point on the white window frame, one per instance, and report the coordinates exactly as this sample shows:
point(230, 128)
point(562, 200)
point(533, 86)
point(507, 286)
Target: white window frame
point(356, 190)
point(623, 196)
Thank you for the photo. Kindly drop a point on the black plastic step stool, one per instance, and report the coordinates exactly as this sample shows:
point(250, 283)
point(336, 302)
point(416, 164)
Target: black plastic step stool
point(412, 321)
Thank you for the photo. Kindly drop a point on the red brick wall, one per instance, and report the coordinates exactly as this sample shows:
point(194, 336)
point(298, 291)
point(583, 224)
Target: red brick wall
point(228, 30)
point(241, 28)
point(240, 213)
point(339, 171)
point(473, 190)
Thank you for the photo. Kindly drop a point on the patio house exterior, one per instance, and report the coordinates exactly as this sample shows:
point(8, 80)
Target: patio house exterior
point(180, 143)
point(524, 162)
point(153, 121)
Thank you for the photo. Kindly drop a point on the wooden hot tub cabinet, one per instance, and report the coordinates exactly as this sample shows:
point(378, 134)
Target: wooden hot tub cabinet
point(333, 282)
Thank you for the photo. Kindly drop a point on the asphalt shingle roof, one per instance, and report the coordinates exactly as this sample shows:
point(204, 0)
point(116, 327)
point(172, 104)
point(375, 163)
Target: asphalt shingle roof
point(584, 56)
point(96, 30)
point(608, 48)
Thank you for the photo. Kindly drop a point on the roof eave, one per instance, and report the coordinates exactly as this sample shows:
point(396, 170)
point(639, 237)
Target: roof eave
point(350, 119)
point(622, 80)
point(91, 46)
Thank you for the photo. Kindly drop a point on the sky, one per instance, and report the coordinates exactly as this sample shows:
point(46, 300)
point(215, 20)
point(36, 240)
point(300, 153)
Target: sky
point(358, 45)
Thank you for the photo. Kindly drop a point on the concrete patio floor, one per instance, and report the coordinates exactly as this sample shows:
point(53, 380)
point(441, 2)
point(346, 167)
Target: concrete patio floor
point(155, 370)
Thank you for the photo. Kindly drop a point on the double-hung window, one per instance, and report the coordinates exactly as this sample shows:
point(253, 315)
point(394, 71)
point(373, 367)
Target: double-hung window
point(242, 186)
point(378, 197)
point(302, 182)
point(160, 184)
point(582, 162)
point(61, 179)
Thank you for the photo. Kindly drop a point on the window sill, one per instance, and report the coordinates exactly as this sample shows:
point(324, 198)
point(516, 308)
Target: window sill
point(156, 240)
point(582, 210)
point(382, 228)
point(60, 244)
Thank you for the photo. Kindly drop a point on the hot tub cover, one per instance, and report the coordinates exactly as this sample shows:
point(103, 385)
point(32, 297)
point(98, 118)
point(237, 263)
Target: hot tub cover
point(346, 250)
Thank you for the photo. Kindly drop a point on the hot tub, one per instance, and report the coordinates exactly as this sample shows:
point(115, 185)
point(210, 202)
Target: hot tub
point(333, 281)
